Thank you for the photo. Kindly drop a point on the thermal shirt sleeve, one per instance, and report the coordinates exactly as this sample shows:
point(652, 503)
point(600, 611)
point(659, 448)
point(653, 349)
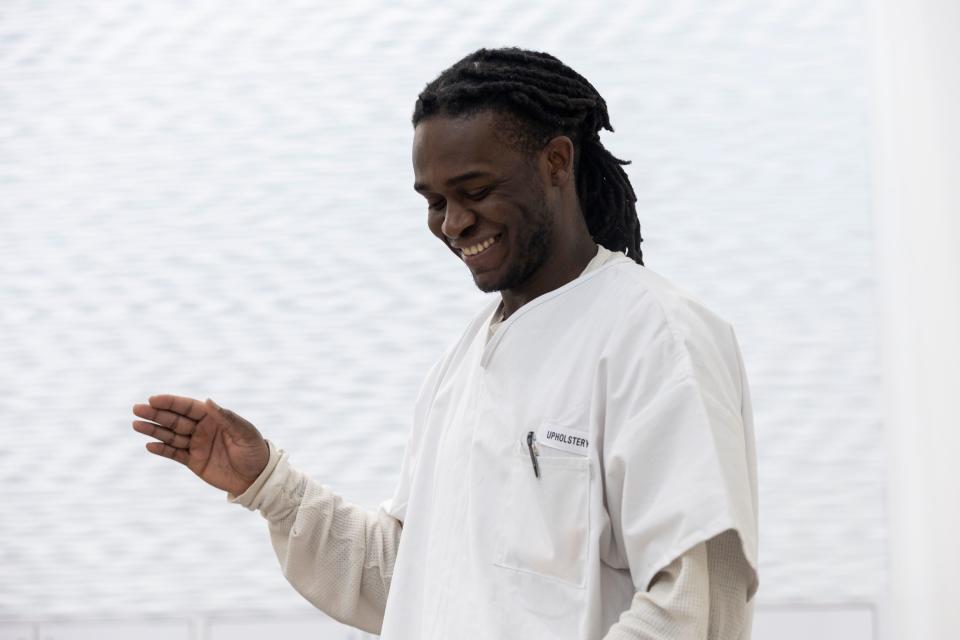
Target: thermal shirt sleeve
point(338, 555)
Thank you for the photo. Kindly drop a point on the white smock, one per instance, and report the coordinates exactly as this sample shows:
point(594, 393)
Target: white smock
point(639, 406)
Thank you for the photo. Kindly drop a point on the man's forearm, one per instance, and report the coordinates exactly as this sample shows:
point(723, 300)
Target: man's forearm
point(339, 556)
point(675, 607)
point(702, 595)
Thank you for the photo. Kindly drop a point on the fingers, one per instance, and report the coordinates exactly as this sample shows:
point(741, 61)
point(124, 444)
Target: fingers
point(187, 407)
point(165, 450)
point(166, 436)
point(172, 420)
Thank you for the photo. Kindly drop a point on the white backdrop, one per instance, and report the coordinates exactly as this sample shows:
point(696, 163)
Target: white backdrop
point(214, 198)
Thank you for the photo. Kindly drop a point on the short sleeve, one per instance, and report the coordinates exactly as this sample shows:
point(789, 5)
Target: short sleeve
point(678, 455)
point(396, 505)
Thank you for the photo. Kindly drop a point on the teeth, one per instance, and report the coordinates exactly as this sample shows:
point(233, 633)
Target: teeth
point(477, 248)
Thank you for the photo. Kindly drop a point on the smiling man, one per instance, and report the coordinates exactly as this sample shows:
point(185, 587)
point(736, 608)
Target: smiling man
point(488, 202)
point(581, 462)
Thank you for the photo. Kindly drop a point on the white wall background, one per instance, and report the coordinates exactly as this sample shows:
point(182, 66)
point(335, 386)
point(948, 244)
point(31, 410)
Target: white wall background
point(214, 198)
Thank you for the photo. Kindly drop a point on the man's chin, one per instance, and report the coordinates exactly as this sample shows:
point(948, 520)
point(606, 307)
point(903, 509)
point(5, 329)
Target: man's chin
point(487, 284)
point(504, 278)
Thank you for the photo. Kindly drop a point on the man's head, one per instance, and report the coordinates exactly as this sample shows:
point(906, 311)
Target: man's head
point(507, 151)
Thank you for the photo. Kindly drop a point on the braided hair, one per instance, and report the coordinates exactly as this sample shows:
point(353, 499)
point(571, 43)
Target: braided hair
point(540, 97)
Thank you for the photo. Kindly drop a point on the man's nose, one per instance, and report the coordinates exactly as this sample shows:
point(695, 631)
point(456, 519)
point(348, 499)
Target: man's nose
point(457, 220)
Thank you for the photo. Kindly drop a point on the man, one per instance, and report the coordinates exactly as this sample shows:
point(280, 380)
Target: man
point(581, 463)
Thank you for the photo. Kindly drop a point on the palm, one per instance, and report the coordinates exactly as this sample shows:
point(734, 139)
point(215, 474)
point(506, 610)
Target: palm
point(222, 448)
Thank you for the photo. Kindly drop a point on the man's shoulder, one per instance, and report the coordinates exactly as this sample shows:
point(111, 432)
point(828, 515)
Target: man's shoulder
point(646, 303)
point(631, 285)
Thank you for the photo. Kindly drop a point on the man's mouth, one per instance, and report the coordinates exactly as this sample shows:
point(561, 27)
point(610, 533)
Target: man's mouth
point(480, 247)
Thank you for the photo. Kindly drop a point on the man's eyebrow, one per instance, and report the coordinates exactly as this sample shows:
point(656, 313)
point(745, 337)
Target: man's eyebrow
point(463, 177)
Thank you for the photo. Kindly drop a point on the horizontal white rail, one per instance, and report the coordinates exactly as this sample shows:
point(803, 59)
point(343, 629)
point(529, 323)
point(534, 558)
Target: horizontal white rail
point(781, 622)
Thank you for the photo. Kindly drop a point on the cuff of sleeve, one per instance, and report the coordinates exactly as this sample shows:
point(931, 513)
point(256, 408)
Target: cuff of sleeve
point(255, 494)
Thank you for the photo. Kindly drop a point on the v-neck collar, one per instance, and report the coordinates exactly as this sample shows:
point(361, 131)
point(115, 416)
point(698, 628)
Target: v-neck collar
point(497, 337)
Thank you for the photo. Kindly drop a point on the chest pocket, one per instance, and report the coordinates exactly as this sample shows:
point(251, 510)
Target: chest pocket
point(545, 522)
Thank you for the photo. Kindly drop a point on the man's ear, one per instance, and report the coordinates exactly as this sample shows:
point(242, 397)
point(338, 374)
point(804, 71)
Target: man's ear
point(559, 154)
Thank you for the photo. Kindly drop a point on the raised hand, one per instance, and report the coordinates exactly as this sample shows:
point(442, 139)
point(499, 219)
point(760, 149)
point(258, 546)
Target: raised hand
point(222, 448)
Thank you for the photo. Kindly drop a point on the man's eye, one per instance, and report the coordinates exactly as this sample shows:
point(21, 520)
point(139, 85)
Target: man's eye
point(478, 194)
point(436, 206)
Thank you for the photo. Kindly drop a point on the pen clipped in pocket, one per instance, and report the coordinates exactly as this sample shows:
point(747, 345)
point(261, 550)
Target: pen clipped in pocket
point(545, 519)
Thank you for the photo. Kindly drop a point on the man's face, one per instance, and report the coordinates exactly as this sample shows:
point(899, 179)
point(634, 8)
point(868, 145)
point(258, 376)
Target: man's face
point(486, 200)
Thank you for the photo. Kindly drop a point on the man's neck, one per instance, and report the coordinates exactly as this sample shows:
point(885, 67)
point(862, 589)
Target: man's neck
point(512, 300)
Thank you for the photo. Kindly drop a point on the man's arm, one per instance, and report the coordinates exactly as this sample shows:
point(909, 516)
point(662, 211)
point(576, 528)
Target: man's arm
point(700, 595)
point(339, 556)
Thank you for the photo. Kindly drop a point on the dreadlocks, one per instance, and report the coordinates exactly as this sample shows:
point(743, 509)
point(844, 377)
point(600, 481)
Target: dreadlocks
point(541, 97)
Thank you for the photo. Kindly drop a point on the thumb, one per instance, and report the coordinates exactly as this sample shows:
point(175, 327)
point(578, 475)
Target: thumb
point(237, 425)
point(218, 410)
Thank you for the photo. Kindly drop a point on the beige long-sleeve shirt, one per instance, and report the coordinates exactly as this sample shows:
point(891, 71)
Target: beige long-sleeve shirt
point(340, 557)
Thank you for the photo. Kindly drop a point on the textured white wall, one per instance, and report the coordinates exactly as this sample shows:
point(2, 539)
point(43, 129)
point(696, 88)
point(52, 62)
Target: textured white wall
point(214, 199)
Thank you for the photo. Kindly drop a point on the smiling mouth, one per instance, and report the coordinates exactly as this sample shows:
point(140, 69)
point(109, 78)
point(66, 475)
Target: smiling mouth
point(480, 247)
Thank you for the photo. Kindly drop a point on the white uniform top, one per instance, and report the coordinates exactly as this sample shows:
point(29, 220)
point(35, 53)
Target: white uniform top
point(602, 257)
point(642, 422)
